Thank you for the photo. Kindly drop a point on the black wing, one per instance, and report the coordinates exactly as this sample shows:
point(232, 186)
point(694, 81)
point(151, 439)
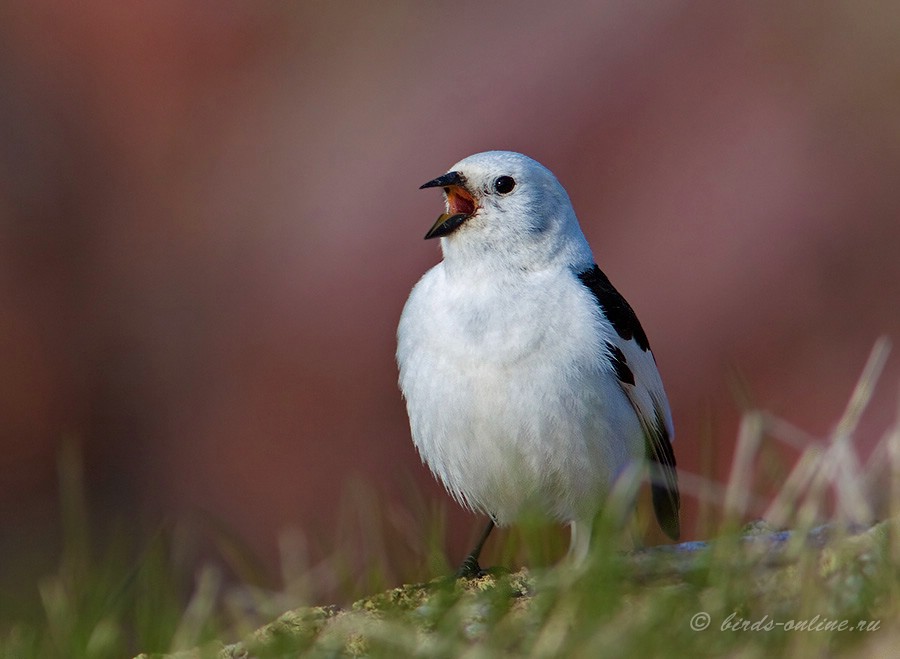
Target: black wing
point(635, 368)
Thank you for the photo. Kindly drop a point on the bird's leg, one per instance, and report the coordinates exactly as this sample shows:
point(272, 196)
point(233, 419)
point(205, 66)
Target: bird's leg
point(470, 569)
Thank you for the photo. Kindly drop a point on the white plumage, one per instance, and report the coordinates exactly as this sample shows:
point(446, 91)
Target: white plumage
point(528, 381)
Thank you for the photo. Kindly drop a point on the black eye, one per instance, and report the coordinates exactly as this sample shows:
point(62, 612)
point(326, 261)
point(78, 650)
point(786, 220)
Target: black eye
point(504, 184)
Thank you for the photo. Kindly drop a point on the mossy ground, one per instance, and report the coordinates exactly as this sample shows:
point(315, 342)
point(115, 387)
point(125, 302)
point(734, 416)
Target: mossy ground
point(829, 591)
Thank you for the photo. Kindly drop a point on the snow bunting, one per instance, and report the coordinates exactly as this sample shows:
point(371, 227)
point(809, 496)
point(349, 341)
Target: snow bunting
point(528, 379)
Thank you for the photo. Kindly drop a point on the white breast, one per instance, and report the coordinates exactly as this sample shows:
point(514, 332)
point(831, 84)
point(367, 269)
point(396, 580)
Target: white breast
point(511, 402)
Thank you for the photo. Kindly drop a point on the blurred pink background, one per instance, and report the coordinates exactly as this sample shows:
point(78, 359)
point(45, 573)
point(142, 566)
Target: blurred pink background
point(210, 223)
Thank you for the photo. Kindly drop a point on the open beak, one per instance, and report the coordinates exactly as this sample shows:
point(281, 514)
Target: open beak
point(445, 225)
point(460, 204)
point(448, 179)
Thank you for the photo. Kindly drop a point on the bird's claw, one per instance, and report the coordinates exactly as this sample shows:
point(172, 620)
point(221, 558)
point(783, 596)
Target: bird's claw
point(470, 569)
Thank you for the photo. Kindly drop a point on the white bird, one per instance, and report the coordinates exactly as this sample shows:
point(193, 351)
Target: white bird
point(528, 380)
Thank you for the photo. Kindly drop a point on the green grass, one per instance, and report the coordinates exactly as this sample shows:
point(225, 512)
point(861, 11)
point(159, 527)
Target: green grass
point(760, 595)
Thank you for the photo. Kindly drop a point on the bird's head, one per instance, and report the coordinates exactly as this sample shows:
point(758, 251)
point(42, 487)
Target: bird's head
point(506, 204)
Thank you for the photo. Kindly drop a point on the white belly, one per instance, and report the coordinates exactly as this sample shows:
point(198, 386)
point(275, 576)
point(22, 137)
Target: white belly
point(513, 405)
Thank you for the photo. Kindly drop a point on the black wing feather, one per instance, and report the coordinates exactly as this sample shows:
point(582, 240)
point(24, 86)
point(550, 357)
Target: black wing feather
point(658, 444)
point(663, 477)
point(615, 307)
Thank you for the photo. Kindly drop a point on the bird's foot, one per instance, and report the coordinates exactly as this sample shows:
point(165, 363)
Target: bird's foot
point(470, 569)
